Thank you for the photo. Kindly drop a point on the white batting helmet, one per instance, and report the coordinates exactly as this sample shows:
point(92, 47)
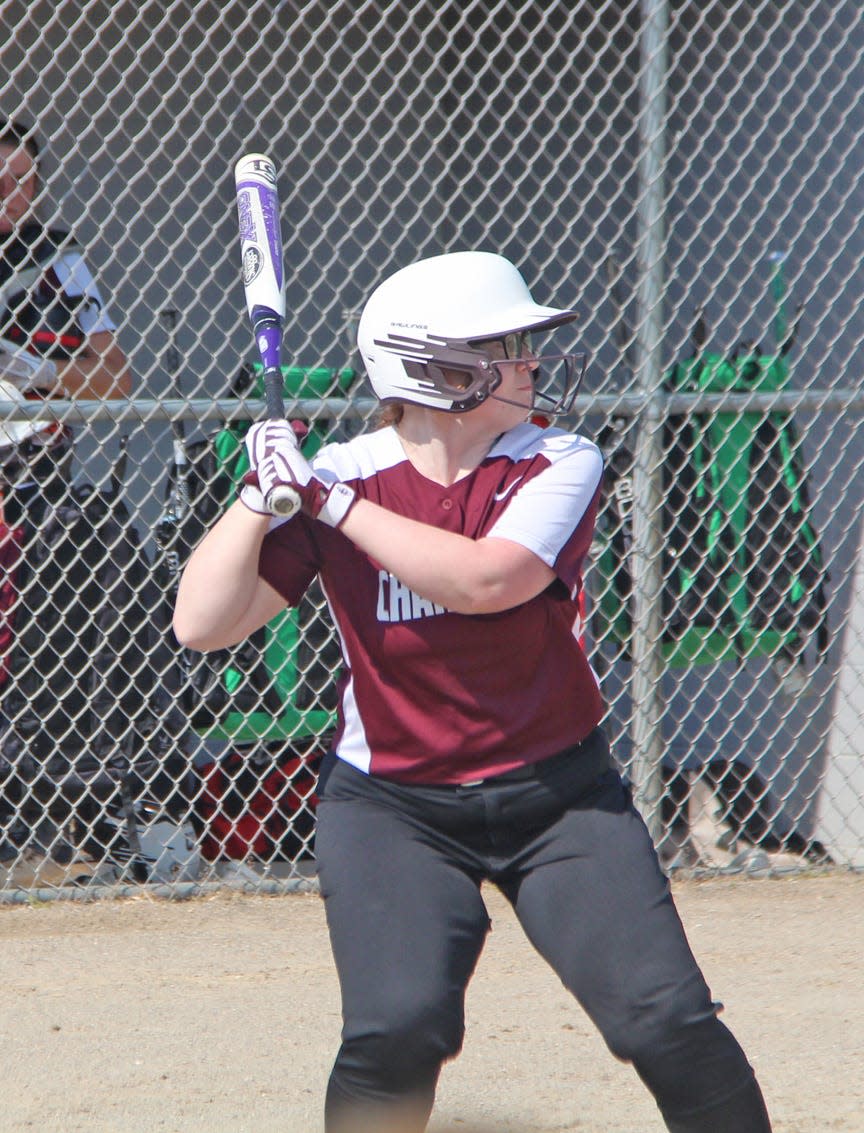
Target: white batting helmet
point(428, 321)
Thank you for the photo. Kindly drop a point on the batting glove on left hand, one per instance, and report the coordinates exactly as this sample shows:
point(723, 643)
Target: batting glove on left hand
point(275, 460)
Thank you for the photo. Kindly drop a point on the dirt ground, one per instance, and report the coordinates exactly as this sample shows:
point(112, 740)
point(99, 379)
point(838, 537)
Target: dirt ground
point(221, 1014)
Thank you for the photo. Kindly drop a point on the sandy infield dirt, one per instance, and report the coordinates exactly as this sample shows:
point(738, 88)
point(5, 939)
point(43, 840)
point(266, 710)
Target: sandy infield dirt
point(221, 1014)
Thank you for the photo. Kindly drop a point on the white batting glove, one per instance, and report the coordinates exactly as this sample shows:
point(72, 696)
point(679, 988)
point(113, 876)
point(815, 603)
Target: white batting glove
point(268, 436)
point(275, 460)
point(261, 441)
point(24, 370)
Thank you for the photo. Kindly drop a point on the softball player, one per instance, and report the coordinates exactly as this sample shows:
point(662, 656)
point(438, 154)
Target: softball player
point(450, 544)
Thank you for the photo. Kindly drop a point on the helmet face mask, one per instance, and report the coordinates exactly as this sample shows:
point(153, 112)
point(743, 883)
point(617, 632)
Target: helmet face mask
point(426, 335)
point(557, 379)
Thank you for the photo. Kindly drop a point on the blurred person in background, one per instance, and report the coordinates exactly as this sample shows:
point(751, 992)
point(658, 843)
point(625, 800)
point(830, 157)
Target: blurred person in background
point(57, 339)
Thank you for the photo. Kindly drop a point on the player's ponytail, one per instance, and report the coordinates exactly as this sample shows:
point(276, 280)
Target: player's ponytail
point(391, 413)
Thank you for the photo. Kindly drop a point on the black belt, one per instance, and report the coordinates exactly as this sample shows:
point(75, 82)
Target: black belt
point(593, 749)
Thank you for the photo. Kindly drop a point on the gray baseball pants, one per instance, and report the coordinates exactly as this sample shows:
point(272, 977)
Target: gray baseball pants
point(400, 869)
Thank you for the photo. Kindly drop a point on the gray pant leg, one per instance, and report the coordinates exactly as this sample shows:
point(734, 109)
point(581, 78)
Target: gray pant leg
point(594, 902)
point(407, 925)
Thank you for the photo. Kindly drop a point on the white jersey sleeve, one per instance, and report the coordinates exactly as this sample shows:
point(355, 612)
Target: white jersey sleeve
point(544, 512)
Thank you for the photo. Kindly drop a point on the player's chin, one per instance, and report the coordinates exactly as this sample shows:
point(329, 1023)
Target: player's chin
point(520, 413)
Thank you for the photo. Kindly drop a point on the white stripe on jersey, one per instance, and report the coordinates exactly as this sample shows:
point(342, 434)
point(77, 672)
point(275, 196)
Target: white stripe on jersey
point(353, 746)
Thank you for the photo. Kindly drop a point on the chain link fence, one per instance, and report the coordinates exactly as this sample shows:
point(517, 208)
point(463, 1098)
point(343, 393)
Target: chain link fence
point(688, 175)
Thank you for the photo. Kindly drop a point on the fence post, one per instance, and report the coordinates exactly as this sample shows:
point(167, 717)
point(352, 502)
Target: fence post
point(647, 668)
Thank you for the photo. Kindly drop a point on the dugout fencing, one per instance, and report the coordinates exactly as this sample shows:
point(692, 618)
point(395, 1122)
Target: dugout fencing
point(687, 175)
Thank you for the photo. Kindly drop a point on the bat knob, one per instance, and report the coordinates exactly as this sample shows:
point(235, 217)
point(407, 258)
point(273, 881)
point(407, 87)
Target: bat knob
point(283, 501)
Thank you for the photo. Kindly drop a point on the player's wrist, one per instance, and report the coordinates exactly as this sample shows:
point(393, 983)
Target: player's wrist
point(338, 502)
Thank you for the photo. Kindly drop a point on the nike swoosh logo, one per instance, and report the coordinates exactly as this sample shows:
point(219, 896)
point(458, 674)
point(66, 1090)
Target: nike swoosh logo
point(506, 492)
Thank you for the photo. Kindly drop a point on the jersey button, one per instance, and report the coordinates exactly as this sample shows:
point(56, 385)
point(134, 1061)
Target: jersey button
point(447, 503)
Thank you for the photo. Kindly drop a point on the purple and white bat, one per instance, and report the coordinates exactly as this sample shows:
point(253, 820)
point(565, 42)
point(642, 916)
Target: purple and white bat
point(263, 283)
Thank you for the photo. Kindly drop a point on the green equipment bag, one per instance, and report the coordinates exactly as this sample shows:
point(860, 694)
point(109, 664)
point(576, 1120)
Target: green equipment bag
point(281, 683)
point(743, 570)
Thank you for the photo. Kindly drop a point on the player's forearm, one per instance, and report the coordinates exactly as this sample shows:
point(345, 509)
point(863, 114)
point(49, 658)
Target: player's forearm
point(221, 599)
point(465, 575)
point(99, 370)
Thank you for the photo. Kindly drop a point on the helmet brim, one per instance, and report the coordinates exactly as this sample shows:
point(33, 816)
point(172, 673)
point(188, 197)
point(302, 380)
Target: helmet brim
point(530, 317)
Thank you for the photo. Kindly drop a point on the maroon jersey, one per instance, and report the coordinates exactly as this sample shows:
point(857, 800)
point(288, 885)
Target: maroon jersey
point(432, 696)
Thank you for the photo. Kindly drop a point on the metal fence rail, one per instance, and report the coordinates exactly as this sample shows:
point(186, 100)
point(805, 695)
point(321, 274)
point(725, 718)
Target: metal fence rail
point(688, 175)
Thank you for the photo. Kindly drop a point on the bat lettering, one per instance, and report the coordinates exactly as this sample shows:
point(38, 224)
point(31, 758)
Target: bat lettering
point(245, 217)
